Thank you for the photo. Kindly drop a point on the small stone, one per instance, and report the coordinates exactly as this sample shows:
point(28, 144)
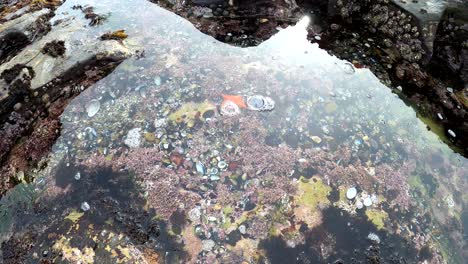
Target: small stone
point(316, 139)
point(208, 245)
point(351, 193)
point(242, 229)
point(78, 176)
point(133, 139)
point(450, 89)
point(85, 206)
point(439, 115)
point(17, 106)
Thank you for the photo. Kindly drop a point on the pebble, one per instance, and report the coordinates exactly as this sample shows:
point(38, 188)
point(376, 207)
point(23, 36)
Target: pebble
point(316, 139)
point(194, 214)
point(208, 245)
point(78, 176)
point(133, 139)
point(440, 116)
point(351, 193)
point(85, 206)
point(450, 89)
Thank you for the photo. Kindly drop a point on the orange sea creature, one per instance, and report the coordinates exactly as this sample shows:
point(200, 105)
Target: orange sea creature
point(237, 99)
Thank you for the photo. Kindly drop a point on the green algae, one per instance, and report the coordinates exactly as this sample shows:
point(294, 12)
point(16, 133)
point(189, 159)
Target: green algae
point(312, 197)
point(313, 193)
point(377, 217)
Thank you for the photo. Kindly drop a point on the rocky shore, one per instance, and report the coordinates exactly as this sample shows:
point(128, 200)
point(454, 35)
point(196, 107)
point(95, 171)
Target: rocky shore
point(43, 67)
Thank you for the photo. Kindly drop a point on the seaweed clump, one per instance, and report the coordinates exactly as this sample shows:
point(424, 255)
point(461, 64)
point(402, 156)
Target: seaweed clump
point(54, 48)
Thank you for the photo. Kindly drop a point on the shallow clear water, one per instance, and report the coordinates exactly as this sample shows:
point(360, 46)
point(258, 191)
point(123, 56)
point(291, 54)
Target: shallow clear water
point(160, 173)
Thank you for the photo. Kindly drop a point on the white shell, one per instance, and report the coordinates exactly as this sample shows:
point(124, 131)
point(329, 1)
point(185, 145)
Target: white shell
point(351, 193)
point(92, 107)
point(367, 201)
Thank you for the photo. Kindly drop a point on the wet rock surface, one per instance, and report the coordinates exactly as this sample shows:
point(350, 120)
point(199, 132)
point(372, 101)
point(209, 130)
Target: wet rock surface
point(42, 68)
point(194, 151)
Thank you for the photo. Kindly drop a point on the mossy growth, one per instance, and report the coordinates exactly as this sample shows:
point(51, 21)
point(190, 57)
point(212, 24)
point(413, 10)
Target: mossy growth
point(313, 193)
point(377, 217)
point(189, 113)
point(312, 196)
